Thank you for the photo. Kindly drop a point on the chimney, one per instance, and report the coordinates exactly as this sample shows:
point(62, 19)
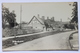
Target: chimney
point(38, 16)
point(52, 19)
point(47, 17)
point(43, 17)
point(61, 20)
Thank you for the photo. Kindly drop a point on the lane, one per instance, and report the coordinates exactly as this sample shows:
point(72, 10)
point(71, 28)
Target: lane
point(51, 42)
point(11, 41)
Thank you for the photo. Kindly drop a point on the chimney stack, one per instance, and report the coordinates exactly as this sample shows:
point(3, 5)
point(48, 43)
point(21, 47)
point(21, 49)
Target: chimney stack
point(61, 20)
point(38, 16)
point(43, 17)
point(47, 17)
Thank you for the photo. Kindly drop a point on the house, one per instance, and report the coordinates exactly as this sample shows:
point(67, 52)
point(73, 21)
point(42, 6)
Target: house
point(36, 23)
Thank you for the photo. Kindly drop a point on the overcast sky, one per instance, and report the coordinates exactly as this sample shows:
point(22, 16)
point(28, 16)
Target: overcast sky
point(58, 10)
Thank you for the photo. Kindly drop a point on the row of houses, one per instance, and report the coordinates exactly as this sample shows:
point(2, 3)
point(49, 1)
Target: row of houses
point(39, 24)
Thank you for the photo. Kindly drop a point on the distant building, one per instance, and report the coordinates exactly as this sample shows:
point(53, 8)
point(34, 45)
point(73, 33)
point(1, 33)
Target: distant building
point(37, 23)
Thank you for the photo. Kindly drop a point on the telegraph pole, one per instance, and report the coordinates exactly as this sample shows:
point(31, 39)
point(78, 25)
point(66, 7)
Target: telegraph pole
point(20, 15)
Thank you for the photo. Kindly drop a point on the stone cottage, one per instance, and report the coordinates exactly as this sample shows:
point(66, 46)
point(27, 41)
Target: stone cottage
point(36, 23)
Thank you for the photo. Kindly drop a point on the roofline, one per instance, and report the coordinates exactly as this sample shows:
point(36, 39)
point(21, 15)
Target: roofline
point(33, 18)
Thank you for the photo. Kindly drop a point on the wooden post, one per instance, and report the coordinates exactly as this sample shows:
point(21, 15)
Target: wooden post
point(20, 15)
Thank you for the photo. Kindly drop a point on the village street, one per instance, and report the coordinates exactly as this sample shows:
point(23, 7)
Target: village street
point(51, 42)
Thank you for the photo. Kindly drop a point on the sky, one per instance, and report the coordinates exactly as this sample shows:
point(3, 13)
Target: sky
point(58, 10)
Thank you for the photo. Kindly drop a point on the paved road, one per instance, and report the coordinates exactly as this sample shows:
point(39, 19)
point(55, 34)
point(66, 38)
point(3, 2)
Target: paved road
point(51, 42)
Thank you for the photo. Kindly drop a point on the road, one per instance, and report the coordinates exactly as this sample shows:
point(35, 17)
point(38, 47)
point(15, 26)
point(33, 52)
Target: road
point(57, 41)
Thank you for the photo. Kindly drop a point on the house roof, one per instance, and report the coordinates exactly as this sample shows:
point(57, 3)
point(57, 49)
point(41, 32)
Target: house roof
point(41, 21)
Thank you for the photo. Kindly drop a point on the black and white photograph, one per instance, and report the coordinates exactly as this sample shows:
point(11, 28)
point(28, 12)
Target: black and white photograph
point(40, 26)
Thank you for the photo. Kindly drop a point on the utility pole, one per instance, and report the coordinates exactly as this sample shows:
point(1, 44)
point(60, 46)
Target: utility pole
point(20, 15)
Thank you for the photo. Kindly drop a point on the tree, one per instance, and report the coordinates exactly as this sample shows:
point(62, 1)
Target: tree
point(8, 17)
point(5, 11)
point(46, 25)
point(75, 13)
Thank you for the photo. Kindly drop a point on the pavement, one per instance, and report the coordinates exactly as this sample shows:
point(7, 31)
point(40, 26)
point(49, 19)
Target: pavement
point(24, 35)
point(57, 41)
point(74, 41)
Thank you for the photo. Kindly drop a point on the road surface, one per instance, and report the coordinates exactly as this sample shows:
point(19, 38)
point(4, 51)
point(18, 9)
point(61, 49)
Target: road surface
point(52, 42)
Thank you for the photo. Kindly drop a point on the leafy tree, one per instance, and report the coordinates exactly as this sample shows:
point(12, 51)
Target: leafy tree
point(8, 17)
point(75, 13)
point(69, 26)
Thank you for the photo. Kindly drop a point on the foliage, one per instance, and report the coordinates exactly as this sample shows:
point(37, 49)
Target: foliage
point(8, 18)
point(75, 13)
point(69, 26)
